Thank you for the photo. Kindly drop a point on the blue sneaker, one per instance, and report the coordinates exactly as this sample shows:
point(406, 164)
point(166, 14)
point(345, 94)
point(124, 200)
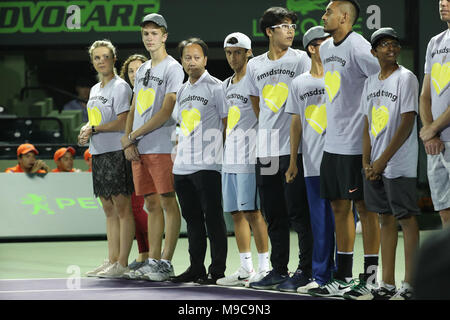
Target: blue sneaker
point(299, 279)
point(270, 281)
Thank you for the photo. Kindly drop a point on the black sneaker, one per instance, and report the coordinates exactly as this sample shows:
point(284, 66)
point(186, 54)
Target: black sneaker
point(209, 279)
point(383, 293)
point(270, 281)
point(190, 275)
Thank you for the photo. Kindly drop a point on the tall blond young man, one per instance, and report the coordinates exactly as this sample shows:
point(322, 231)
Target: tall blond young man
point(147, 143)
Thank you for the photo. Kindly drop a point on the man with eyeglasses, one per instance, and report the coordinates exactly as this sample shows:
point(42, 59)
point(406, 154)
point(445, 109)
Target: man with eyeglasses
point(147, 143)
point(435, 116)
point(347, 63)
point(284, 205)
point(389, 104)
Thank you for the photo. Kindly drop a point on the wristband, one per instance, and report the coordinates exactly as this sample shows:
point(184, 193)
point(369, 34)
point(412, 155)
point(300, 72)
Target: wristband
point(93, 130)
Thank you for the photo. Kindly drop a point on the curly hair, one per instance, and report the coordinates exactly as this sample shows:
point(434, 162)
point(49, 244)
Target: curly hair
point(124, 70)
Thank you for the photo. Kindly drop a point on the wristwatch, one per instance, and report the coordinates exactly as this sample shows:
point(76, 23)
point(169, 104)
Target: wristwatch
point(93, 130)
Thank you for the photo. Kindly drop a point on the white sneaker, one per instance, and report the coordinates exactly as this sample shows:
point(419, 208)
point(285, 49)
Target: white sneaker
point(404, 293)
point(103, 266)
point(114, 271)
point(333, 288)
point(239, 278)
point(150, 266)
point(310, 285)
point(258, 276)
point(163, 272)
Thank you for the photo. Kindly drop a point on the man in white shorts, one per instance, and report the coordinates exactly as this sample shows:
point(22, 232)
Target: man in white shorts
point(435, 115)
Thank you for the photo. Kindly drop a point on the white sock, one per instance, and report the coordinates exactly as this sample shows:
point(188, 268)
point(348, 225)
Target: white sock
point(166, 262)
point(246, 261)
point(263, 261)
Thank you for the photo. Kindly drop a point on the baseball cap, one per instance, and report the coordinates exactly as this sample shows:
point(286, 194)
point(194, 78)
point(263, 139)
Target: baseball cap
point(25, 148)
point(61, 151)
point(313, 34)
point(156, 19)
point(242, 41)
point(382, 33)
point(87, 155)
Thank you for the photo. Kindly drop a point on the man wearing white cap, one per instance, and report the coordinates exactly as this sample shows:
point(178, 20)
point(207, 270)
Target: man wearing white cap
point(238, 166)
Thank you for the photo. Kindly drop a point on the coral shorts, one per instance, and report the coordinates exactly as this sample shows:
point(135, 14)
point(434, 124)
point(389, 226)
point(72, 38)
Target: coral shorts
point(153, 174)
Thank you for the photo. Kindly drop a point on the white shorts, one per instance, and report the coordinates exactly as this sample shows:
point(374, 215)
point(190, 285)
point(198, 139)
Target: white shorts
point(239, 192)
point(439, 178)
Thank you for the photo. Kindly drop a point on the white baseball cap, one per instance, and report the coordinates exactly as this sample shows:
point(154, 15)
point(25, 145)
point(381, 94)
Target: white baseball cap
point(242, 41)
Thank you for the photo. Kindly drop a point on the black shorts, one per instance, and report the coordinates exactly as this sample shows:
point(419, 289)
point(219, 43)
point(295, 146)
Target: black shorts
point(111, 174)
point(340, 177)
point(392, 196)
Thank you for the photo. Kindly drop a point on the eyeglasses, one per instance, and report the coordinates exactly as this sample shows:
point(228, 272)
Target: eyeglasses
point(147, 77)
point(385, 44)
point(285, 26)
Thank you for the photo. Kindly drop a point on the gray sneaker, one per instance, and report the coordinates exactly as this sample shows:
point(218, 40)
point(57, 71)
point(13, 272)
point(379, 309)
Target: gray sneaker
point(132, 268)
point(149, 266)
point(163, 272)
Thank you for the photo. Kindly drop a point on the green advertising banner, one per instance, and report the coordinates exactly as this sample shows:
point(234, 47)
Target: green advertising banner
point(54, 205)
point(48, 22)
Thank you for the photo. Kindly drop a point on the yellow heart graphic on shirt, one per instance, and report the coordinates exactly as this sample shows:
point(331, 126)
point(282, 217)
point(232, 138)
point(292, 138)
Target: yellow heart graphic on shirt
point(332, 84)
point(275, 96)
point(440, 76)
point(380, 118)
point(190, 119)
point(145, 99)
point(94, 116)
point(234, 114)
point(317, 117)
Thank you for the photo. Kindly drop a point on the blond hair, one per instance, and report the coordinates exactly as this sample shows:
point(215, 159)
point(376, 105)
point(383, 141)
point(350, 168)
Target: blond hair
point(103, 43)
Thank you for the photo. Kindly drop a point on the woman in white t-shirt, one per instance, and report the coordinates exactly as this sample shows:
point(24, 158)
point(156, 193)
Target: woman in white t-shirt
point(108, 106)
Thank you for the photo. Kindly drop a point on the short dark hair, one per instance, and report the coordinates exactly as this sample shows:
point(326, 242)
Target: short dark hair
point(356, 7)
point(275, 15)
point(189, 41)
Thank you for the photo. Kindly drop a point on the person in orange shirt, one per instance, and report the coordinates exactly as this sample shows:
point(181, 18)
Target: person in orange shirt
point(27, 162)
point(88, 160)
point(64, 160)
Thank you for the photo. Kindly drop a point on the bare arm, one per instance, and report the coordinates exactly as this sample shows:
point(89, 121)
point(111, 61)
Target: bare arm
point(255, 105)
point(367, 151)
point(295, 134)
point(433, 145)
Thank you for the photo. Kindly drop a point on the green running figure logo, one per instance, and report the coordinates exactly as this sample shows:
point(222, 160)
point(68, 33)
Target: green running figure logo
point(39, 203)
point(306, 6)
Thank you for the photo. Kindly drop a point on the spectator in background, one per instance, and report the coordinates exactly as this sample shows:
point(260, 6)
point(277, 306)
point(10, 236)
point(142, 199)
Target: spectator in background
point(88, 159)
point(83, 88)
point(27, 162)
point(63, 158)
point(128, 73)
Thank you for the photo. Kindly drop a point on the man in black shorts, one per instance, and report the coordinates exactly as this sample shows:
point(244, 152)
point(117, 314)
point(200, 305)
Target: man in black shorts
point(347, 62)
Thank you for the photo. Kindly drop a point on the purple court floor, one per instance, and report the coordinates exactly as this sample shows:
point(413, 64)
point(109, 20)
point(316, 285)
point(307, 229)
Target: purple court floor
point(112, 289)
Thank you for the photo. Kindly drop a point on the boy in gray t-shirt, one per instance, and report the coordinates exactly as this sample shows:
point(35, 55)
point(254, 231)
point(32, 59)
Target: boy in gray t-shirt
point(389, 103)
